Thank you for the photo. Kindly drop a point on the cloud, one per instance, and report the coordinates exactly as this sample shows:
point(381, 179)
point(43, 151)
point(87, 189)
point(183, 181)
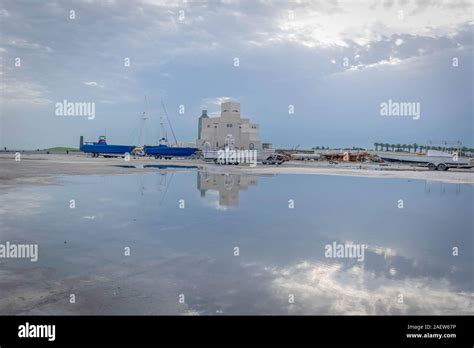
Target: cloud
point(321, 288)
point(93, 84)
point(23, 92)
point(213, 104)
point(285, 49)
point(20, 204)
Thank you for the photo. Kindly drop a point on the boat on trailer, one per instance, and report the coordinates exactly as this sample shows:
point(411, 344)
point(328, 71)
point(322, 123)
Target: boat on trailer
point(163, 149)
point(433, 160)
point(101, 147)
point(168, 152)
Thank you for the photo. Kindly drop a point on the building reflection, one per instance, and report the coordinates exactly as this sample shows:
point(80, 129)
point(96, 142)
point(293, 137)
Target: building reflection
point(228, 186)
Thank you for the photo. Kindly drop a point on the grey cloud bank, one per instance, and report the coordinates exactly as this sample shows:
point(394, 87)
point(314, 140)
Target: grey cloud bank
point(335, 62)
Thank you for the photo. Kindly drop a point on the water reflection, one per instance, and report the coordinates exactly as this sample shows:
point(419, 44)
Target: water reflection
point(190, 250)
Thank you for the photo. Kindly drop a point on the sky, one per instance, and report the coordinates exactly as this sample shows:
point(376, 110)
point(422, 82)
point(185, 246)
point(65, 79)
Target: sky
point(333, 62)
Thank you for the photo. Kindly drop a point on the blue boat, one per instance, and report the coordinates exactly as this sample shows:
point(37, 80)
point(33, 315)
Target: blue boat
point(102, 148)
point(168, 152)
point(163, 150)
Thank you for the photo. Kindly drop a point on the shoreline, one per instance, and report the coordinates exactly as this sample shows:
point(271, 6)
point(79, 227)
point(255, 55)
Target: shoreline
point(43, 168)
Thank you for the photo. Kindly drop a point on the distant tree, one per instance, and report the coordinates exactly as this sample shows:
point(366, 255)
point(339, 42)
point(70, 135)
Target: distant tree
point(409, 147)
point(376, 145)
point(398, 147)
point(421, 148)
point(415, 147)
point(404, 147)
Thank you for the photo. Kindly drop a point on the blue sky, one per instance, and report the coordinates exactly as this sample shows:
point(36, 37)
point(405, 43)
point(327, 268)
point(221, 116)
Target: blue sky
point(290, 53)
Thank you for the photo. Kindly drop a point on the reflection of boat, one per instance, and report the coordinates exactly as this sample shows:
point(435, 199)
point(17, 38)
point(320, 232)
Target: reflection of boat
point(102, 148)
point(168, 166)
point(434, 160)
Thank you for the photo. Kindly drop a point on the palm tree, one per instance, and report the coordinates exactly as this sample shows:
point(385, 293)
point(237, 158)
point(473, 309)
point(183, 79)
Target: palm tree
point(421, 148)
point(398, 147)
point(386, 146)
point(404, 147)
point(409, 147)
point(415, 147)
point(376, 146)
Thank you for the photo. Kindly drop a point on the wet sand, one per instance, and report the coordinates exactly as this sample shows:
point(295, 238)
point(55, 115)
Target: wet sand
point(43, 168)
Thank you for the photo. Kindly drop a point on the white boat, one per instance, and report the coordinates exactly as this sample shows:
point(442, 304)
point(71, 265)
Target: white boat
point(305, 156)
point(434, 160)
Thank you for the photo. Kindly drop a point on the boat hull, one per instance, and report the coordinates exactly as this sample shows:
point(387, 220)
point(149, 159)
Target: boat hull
point(167, 151)
point(424, 160)
point(107, 149)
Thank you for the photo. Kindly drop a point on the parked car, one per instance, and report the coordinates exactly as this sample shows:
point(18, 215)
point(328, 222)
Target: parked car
point(274, 159)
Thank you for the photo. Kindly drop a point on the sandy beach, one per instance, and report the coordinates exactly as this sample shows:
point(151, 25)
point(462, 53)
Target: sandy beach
point(43, 168)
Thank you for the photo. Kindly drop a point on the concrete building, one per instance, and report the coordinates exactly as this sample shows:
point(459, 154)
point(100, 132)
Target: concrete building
point(213, 131)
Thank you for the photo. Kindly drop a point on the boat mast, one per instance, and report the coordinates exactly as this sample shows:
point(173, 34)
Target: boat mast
point(163, 136)
point(171, 127)
point(143, 124)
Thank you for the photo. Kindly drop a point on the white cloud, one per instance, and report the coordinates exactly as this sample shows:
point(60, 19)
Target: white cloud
point(329, 288)
point(358, 22)
point(213, 104)
point(23, 92)
point(391, 61)
point(16, 204)
point(93, 84)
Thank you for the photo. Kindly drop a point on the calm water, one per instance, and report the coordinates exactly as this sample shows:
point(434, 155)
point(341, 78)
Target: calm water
point(408, 265)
